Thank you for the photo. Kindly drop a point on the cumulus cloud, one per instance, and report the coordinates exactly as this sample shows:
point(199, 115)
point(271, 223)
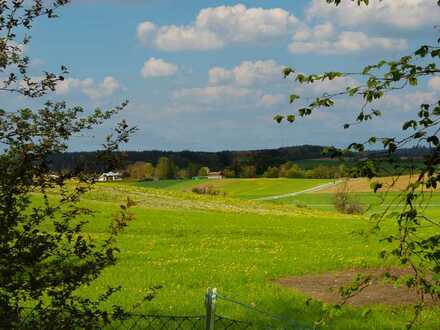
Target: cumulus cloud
point(247, 85)
point(247, 73)
point(156, 67)
point(407, 102)
point(95, 91)
point(322, 39)
point(145, 32)
point(212, 94)
point(400, 14)
point(217, 27)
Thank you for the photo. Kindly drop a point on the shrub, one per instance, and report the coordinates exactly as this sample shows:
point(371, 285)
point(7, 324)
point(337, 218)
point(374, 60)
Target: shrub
point(207, 190)
point(229, 173)
point(345, 203)
point(271, 172)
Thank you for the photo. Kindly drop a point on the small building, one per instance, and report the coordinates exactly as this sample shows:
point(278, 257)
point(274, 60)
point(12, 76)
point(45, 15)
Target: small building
point(110, 176)
point(215, 175)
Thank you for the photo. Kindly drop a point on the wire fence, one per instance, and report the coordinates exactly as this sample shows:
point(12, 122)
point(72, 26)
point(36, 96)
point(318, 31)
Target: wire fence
point(159, 322)
point(165, 322)
point(210, 321)
point(287, 323)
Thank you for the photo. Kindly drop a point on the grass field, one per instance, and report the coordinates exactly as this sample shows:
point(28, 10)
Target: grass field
point(372, 202)
point(187, 243)
point(240, 188)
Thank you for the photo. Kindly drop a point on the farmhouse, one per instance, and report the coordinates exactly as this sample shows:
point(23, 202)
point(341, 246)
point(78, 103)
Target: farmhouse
point(215, 175)
point(110, 176)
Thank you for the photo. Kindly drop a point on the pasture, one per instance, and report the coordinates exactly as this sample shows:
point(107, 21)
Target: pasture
point(240, 188)
point(187, 243)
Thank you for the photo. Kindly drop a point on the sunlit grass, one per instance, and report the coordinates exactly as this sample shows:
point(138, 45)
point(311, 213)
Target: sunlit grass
point(240, 188)
point(187, 243)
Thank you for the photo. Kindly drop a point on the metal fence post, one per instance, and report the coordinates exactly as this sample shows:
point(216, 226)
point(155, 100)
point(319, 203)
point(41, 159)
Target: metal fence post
point(210, 300)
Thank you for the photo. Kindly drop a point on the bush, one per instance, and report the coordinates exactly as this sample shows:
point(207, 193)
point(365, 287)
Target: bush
point(272, 172)
point(346, 203)
point(207, 190)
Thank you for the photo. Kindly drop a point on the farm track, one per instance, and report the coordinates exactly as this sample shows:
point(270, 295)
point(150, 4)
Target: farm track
point(310, 190)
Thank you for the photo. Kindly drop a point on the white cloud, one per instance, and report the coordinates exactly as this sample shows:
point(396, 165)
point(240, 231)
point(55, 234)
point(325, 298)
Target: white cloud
point(434, 84)
point(212, 94)
point(270, 100)
point(248, 85)
point(323, 40)
point(219, 75)
point(400, 14)
point(217, 27)
point(247, 73)
point(95, 91)
point(175, 38)
point(145, 32)
point(407, 102)
point(156, 67)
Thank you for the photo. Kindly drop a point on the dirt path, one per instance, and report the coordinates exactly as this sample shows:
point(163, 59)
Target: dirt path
point(310, 190)
point(325, 287)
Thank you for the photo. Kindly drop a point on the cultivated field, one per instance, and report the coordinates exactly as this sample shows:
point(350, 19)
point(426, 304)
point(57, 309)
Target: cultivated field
point(187, 243)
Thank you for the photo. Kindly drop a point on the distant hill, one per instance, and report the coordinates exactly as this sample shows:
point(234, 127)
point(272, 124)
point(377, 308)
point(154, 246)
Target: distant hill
point(262, 159)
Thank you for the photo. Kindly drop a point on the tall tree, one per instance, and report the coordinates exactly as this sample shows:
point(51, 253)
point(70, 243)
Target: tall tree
point(164, 168)
point(44, 255)
point(415, 241)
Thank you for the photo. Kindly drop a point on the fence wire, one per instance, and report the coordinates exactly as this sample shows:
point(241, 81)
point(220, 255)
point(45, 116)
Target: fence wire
point(160, 322)
point(289, 324)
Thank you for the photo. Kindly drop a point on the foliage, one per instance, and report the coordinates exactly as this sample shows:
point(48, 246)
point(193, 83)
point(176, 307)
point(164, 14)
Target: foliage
point(229, 173)
point(248, 171)
point(410, 244)
point(165, 169)
point(207, 190)
point(216, 161)
point(272, 172)
point(183, 174)
point(45, 258)
point(203, 171)
point(140, 170)
point(345, 202)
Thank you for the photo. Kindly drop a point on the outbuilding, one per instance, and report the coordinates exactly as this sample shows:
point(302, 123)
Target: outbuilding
point(110, 176)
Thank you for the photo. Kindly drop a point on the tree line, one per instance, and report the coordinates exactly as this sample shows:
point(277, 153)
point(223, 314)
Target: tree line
point(251, 163)
point(167, 169)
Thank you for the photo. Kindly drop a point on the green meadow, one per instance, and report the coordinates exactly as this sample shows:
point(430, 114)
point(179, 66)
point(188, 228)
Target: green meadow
point(240, 188)
point(186, 243)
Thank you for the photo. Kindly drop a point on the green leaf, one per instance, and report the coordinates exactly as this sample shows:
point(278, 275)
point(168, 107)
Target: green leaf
point(290, 118)
point(292, 98)
point(278, 118)
point(412, 81)
point(287, 72)
point(422, 51)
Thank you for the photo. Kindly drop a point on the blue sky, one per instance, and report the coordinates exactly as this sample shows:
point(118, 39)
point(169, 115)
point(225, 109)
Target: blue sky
point(206, 75)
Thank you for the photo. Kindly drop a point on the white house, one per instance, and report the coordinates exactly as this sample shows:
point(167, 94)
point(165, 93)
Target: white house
point(110, 176)
point(215, 175)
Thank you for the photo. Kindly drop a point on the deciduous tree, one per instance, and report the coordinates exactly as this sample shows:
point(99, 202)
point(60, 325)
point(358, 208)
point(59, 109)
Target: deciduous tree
point(44, 255)
point(415, 240)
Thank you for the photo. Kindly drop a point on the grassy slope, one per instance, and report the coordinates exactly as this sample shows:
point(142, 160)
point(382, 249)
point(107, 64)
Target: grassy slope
point(240, 188)
point(187, 243)
point(371, 201)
